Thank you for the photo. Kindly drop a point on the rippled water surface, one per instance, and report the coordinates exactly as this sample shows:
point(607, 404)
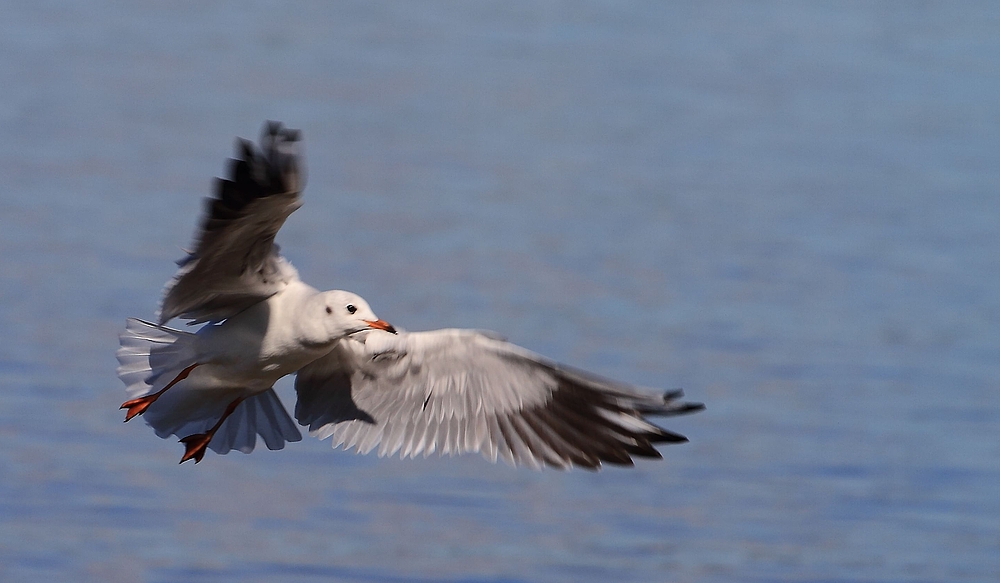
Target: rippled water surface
point(790, 211)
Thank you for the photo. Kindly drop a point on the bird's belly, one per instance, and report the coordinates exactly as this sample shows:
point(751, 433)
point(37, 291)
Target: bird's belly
point(213, 376)
point(255, 375)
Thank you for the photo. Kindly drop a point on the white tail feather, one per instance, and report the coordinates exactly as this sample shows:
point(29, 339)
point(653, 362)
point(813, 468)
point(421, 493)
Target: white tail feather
point(149, 354)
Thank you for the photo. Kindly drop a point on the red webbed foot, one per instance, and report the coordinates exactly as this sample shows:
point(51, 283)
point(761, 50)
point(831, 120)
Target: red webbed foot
point(139, 406)
point(195, 446)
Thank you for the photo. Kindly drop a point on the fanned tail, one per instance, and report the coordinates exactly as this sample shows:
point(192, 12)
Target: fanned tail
point(263, 415)
point(151, 356)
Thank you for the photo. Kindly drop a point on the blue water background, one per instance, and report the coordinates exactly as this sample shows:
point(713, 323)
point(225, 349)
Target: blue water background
point(788, 209)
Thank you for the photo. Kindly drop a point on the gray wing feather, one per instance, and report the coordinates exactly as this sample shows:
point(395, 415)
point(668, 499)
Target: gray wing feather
point(455, 391)
point(235, 263)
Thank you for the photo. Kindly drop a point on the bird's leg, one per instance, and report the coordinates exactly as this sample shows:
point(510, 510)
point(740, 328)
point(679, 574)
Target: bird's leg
point(139, 406)
point(196, 444)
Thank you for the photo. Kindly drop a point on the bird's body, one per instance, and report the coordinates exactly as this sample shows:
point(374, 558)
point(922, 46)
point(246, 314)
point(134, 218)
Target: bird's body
point(357, 379)
point(270, 339)
point(193, 377)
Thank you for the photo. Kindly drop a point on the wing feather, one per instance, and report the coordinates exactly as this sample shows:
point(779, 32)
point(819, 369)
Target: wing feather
point(455, 391)
point(501, 449)
point(235, 263)
point(420, 434)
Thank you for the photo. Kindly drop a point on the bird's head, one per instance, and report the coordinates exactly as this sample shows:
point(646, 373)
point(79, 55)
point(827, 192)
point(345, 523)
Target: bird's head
point(344, 313)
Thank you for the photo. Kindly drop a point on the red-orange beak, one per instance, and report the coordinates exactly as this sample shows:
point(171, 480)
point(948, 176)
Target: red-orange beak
point(381, 325)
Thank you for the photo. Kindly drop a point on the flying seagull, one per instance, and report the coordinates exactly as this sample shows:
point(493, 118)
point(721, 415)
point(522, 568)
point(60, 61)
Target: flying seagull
point(358, 380)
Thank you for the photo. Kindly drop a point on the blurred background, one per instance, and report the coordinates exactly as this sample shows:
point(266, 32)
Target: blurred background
point(788, 209)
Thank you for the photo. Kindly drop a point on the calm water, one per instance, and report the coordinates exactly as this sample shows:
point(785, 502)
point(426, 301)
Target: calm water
point(790, 211)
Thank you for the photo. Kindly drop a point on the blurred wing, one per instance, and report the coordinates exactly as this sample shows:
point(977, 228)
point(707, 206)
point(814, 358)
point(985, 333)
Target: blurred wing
point(454, 391)
point(235, 263)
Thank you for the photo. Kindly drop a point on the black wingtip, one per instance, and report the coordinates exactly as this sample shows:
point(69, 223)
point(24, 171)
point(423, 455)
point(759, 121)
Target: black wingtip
point(673, 394)
point(680, 408)
point(664, 436)
point(245, 149)
point(275, 130)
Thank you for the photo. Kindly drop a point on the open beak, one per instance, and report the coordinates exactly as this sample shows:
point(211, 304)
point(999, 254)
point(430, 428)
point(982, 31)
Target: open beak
point(380, 325)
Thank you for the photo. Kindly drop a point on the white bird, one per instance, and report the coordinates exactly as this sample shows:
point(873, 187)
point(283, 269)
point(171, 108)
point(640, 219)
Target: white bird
point(358, 380)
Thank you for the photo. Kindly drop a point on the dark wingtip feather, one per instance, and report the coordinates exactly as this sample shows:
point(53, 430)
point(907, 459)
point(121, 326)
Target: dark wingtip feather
point(684, 408)
point(669, 406)
point(271, 128)
point(665, 436)
point(580, 432)
point(255, 174)
point(245, 149)
point(673, 395)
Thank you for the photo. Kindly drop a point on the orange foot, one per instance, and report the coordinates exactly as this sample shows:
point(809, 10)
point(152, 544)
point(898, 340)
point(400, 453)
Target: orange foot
point(195, 446)
point(139, 406)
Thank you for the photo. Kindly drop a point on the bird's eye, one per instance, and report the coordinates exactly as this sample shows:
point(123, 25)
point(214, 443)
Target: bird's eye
point(351, 309)
point(328, 310)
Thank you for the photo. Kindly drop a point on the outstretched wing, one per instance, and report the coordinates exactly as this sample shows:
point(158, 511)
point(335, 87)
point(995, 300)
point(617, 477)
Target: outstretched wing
point(235, 263)
point(455, 391)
